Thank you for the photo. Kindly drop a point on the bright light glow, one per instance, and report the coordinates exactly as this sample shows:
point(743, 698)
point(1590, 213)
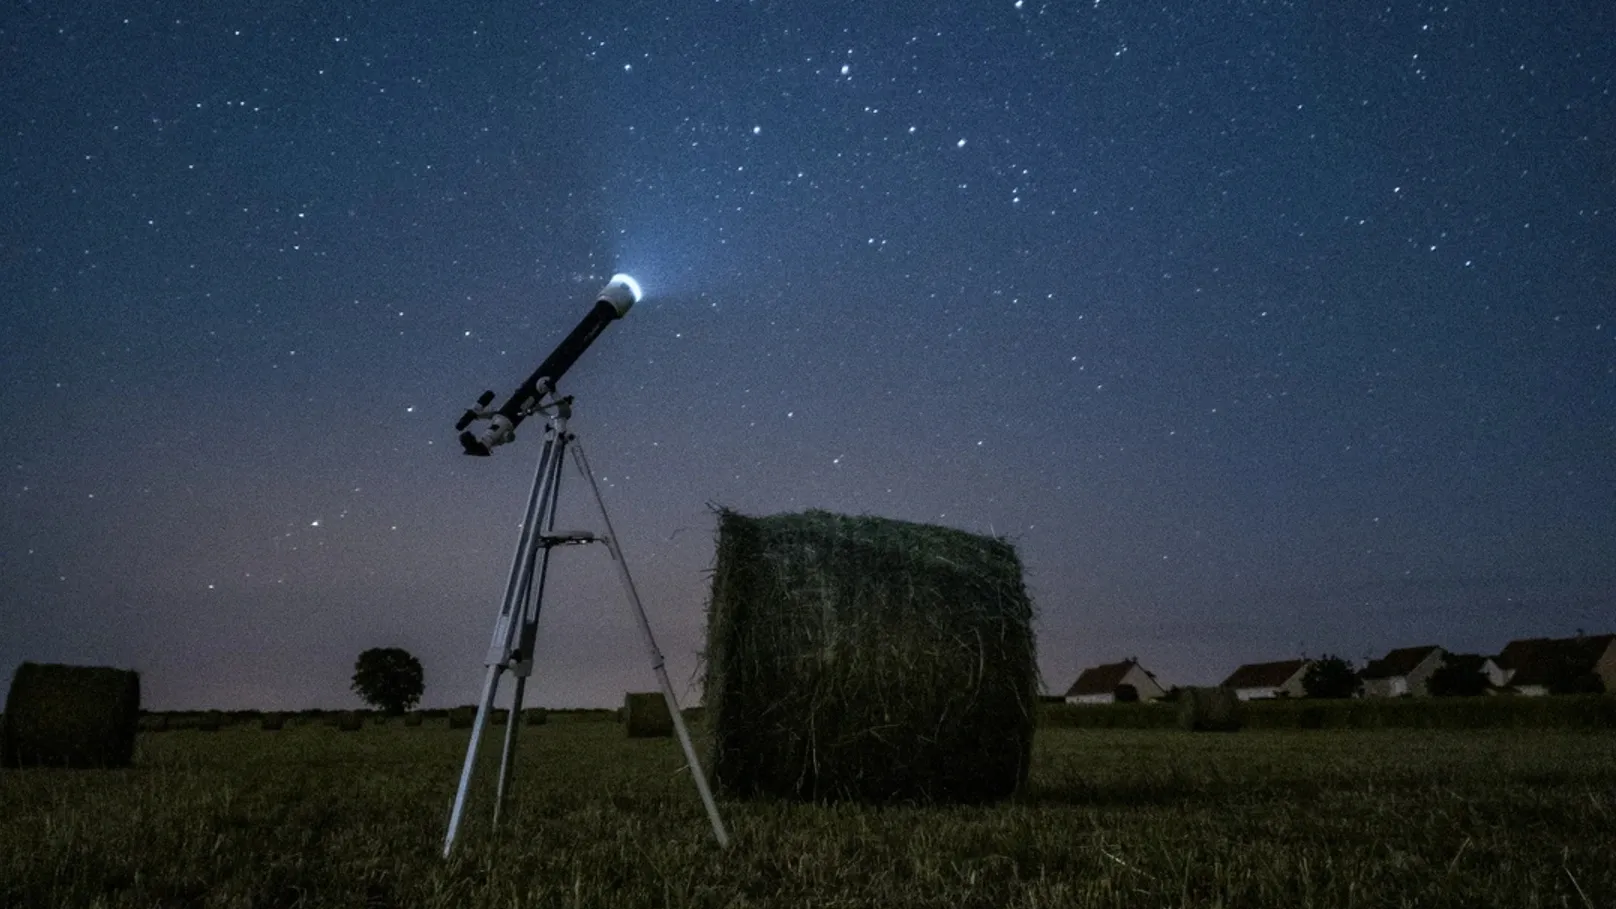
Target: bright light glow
point(632, 285)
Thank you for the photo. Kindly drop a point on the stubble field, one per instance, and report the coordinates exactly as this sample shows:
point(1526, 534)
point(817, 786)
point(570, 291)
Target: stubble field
point(310, 816)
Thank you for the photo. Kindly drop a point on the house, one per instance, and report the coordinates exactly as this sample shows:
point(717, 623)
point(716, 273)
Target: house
point(1537, 666)
point(1497, 676)
point(1403, 671)
point(1491, 676)
point(1099, 684)
point(1256, 681)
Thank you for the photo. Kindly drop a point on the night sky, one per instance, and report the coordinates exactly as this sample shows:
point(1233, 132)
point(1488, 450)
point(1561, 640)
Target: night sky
point(1262, 329)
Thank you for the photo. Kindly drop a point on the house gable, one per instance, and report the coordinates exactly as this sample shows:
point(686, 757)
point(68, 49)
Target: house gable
point(1605, 664)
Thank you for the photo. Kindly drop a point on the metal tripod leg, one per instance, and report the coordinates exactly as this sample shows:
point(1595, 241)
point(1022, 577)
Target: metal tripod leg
point(521, 597)
point(658, 664)
point(507, 757)
point(522, 657)
point(490, 685)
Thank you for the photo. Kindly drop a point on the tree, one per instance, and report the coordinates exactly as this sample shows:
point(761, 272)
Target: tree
point(1459, 675)
point(1569, 675)
point(1330, 677)
point(389, 678)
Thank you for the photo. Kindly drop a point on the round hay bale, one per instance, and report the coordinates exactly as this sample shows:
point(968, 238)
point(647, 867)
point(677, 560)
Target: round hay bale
point(645, 715)
point(272, 722)
point(1209, 710)
point(210, 721)
point(414, 718)
point(350, 721)
point(867, 659)
point(70, 716)
point(537, 716)
point(462, 717)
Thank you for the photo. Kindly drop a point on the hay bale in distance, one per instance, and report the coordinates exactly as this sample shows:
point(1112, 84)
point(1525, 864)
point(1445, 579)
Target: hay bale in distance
point(537, 716)
point(209, 722)
point(272, 722)
point(867, 659)
point(70, 716)
point(414, 718)
point(645, 715)
point(350, 721)
point(462, 717)
point(1208, 710)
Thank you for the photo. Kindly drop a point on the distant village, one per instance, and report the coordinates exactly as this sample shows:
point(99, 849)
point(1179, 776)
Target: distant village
point(1529, 667)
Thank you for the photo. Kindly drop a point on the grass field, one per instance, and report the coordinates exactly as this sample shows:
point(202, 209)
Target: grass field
point(310, 816)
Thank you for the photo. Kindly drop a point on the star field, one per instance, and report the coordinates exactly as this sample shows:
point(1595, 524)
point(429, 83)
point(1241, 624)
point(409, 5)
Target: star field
point(1261, 329)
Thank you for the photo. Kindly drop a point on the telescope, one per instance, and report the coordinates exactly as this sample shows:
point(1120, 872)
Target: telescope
point(613, 302)
point(516, 630)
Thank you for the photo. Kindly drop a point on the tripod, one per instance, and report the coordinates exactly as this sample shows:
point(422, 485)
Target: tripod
point(516, 629)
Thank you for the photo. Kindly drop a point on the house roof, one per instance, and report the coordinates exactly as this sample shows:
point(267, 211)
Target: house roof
point(1473, 661)
point(1399, 662)
point(1539, 661)
point(1264, 675)
point(1103, 679)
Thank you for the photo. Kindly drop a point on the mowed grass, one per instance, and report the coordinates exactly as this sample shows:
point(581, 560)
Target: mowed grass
point(310, 816)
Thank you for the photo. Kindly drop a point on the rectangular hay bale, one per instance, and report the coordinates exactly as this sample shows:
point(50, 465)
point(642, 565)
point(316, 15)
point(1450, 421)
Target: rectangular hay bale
point(70, 716)
point(867, 659)
point(645, 715)
point(1209, 710)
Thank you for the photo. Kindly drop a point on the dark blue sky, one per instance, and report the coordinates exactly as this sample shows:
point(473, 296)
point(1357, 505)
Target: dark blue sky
point(1262, 328)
